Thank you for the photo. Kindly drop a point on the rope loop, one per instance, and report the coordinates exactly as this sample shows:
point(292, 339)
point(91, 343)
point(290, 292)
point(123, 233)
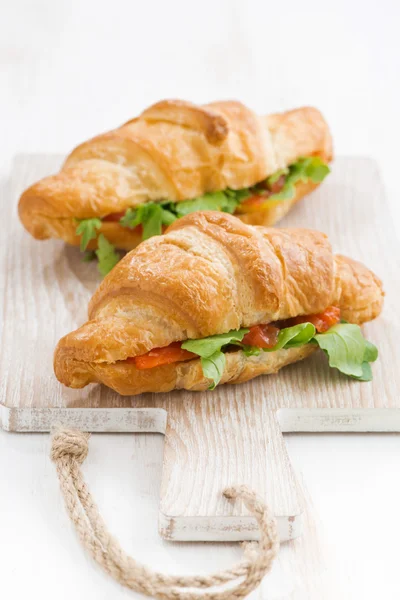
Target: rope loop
point(69, 450)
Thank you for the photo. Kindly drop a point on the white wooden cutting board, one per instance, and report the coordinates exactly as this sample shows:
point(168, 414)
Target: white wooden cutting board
point(213, 439)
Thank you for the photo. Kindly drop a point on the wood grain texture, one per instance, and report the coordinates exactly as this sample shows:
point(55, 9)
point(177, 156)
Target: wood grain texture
point(212, 439)
point(214, 444)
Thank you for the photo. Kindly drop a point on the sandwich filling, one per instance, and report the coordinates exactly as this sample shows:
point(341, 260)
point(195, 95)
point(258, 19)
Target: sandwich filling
point(343, 343)
point(152, 218)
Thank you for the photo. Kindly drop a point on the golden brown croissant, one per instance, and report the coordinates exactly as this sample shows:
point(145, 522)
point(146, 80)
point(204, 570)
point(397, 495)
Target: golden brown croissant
point(209, 274)
point(177, 151)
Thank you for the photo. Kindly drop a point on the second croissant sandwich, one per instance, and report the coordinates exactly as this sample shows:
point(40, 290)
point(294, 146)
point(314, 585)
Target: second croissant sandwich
point(216, 301)
point(176, 158)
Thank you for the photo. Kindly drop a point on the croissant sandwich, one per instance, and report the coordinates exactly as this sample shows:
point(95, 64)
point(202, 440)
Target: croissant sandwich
point(217, 301)
point(176, 158)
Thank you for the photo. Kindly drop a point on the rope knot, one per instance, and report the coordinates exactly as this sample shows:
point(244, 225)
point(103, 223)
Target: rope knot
point(69, 443)
point(231, 493)
point(236, 491)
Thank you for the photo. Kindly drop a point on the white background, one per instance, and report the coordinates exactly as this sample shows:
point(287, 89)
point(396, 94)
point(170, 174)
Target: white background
point(71, 69)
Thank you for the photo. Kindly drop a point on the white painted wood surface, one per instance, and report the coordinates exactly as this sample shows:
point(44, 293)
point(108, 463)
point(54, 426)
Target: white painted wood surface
point(212, 440)
point(72, 69)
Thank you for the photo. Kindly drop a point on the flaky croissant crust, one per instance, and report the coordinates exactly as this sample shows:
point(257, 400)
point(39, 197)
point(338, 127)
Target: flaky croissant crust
point(174, 150)
point(209, 274)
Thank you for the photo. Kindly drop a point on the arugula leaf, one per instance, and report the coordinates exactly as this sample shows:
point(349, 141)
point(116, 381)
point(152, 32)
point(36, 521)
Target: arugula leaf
point(294, 337)
point(167, 216)
point(370, 355)
point(155, 214)
point(224, 201)
point(213, 201)
point(206, 347)
point(130, 218)
point(371, 352)
point(152, 216)
point(316, 169)
point(348, 350)
point(366, 373)
point(238, 195)
point(210, 350)
point(309, 167)
point(151, 220)
point(87, 229)
point(107, 255)
point(344, 344)
point(213, 367)
point(250, 350)
point(230, 205)
point(290, 337)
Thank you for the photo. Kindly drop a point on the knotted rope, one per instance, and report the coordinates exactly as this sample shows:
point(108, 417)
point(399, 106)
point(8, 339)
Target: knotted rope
point(69, 450)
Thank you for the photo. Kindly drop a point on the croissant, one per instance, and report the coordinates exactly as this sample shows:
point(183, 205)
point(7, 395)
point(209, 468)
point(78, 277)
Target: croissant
point(209, 274)
point(176, 151)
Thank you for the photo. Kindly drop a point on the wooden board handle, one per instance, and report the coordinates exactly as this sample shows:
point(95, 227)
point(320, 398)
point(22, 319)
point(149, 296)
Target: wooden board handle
point(207, 450)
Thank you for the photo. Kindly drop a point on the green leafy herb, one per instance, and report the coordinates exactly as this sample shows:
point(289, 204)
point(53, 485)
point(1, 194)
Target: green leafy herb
point(348, 350)
point(366, 374)
point(152, 216)
point(315, 169)
point(294, 337)
point(226, 201)
point(207, 346)
point(129, 219)
point(250, 350)
point(239, 195)
point(290, 337)
point(87, 229)
point(371, 352)
point(213, 367)
point(310, 167)
point(210, 350)
point(107, 255)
